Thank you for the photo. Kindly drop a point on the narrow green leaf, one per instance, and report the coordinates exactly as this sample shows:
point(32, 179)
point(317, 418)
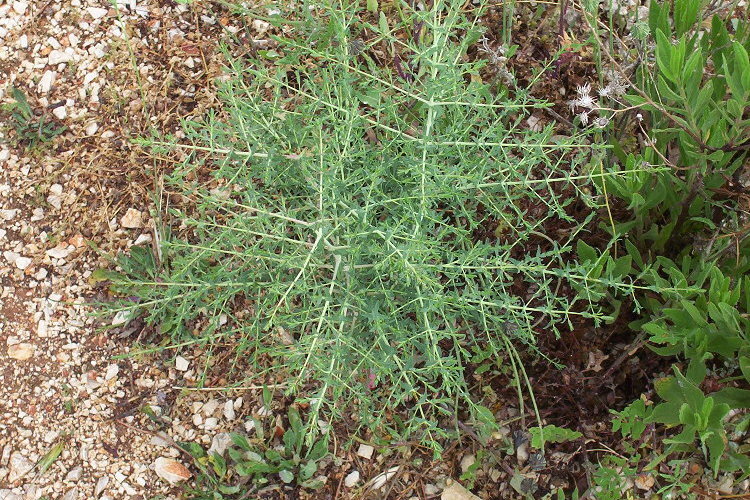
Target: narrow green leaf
point(49, 458)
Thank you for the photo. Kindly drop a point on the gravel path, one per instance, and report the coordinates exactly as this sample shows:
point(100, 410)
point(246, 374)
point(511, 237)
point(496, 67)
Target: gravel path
point(106, 74)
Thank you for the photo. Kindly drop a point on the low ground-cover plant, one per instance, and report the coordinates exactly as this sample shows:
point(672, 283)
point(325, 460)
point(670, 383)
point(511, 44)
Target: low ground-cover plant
point(25, 127)
point(269, 455)
point(368, 214)
point(684, 224)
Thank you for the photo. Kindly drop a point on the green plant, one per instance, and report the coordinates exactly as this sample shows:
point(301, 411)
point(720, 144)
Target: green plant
point(685, 237)
point(551, 434)
point(469, 476)
point(696, 90)
point(255, 462)
point(30, 130)
point(351, 205)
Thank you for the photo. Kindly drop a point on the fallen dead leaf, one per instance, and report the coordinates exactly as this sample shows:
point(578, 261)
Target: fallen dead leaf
point(171, 470)
point(644, 482)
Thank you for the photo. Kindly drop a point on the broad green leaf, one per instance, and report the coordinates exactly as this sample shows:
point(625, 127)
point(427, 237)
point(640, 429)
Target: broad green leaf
point(241, 441)
point(319, 449)
point(484, 415)
point(664, 55)
point(219, 464)
point(250, 468)
point(383, 24)
point(295, 422)
point(685, 15)
point(745, 367)
point(308, 470)
point(286, 476)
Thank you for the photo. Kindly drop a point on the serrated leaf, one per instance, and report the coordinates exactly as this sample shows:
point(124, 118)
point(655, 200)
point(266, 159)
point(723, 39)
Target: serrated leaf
point(551, 434)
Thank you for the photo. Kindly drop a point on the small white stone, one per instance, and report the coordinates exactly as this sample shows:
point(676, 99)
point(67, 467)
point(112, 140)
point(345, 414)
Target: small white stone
point(50, 436)
point(534, 123)
point(467, 461)
point(91, 128)
point(8, 214)
point(457, 492)
point(181, 364)
point(20, 8)
point(72, 494)
point(60, 112)
point(159, 441)
point(365, 451)
point(522, 452)
point(132, 219)
point(96, 12)
point(58, 56)
point(4, 154)
point(41, 329)
point(19, 466)
point(210, 407)
point(37, 214)
point(431, 490)
point(143, 238)
point(101, 484)
point(23, 262)
point(197, 420)
point(351, 479)
point(249, 426)
point(220, 443)
point(55, 195)
point(45, 84)
point(260, 26)
point(10, 257)
point(59, 252)
point(23, 42)
point(211, 423)
point(74, 474)
point(121, 318)
point(229, 410)
point(112, 371)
